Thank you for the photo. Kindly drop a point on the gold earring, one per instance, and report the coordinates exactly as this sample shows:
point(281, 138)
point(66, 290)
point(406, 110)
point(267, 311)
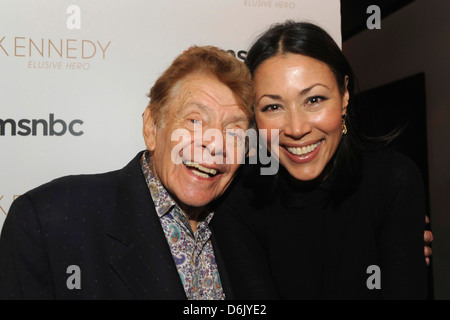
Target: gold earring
point(344, 127)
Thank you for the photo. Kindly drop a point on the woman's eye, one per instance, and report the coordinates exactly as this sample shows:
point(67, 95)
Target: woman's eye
point(195, 121)
point(315, 100)
point(271, 107)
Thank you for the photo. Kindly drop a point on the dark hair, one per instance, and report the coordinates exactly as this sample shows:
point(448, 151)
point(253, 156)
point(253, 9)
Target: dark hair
point(306, 39)
point(310, 40)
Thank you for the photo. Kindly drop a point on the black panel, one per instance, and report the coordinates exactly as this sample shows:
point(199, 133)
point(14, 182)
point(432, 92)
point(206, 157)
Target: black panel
point(400, 104)
point(354, 14)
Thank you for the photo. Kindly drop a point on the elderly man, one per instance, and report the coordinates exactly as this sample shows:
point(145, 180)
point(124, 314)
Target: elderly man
point(142, 231)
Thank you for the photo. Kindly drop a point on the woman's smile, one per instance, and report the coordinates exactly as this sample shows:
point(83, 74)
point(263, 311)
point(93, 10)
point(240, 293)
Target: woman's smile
point(299, 96)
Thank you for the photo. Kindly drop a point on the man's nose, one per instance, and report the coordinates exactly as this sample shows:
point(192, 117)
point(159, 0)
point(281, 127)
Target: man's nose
point(296, 124)
point(214, 142)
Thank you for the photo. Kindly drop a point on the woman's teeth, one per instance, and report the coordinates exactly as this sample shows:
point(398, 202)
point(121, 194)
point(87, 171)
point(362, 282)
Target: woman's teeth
point(303, 150)
point(201, 171)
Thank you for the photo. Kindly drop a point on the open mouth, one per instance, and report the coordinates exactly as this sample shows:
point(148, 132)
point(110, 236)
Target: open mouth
point(303, 151)
point(200, 170)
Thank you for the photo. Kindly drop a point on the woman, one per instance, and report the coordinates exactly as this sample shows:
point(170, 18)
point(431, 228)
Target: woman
point(337, 221)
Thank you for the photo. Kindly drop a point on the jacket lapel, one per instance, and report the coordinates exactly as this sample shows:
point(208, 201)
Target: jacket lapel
point(145, 265)
point(222, 270)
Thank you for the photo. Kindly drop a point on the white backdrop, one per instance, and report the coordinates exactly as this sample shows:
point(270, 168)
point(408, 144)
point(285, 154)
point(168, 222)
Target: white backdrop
point(85, 66)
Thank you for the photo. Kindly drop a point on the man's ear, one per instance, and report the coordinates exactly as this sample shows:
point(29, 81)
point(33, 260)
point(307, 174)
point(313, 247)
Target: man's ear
point(149, 129)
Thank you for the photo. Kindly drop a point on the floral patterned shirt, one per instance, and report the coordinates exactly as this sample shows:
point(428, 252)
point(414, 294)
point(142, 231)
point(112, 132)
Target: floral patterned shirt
point(192, 252)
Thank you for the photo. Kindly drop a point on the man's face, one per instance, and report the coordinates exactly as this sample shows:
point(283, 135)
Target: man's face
point(178, 147)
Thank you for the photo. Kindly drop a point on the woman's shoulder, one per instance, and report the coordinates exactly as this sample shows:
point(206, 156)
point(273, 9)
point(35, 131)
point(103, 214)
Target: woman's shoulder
point(246, 185)
point(246, 199)
point(389, 169)
point(388, 160)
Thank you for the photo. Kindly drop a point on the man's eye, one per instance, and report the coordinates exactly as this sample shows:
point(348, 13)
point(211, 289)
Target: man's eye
point(234, 134)
point(235, 138)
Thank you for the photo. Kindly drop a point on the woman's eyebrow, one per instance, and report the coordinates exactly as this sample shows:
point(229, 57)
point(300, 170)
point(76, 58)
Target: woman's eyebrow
point(302, 93)
point(271, 96)
point(305, 91)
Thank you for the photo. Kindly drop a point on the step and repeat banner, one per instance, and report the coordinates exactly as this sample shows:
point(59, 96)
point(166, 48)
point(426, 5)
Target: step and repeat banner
point(74, 75)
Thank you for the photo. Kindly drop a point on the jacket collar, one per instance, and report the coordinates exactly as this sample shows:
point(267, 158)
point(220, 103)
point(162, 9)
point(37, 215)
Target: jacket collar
point(146, 264)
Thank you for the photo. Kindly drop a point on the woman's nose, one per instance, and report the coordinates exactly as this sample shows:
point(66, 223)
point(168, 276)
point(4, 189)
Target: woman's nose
point(296, 124)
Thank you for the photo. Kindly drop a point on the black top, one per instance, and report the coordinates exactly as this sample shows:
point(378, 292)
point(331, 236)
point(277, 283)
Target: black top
point(280, 240)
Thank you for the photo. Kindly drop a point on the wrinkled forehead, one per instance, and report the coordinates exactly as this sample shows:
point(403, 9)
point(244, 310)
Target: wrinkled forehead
point(208, 96)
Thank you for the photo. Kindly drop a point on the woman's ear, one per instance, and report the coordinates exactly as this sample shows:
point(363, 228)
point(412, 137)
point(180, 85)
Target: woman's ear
point(149, 129)
point(345, 97)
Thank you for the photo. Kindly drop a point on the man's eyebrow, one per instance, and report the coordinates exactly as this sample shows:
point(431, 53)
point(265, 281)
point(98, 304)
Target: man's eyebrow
point(237, 119)
point(302, 93)
point(205, 108)
point(187, 107)
point(202, 106)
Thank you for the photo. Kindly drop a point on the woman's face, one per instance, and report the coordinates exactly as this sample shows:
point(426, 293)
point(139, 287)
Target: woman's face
point(299, 96)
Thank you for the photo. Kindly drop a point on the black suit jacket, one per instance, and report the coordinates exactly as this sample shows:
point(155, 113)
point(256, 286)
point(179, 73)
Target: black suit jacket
point(105, 224)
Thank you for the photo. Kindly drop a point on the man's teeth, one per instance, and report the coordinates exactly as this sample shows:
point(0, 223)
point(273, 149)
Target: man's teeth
point(303, 150)
point(201, 170)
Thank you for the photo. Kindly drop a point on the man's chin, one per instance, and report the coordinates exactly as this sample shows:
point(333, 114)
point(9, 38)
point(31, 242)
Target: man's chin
point(195, 202)
point(191, 195)
point(197, 205)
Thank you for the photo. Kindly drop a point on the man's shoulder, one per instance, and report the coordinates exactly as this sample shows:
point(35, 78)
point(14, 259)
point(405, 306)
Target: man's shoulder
point(83, 189)
point(77, 201)
point(74, 184)
point(71, 185)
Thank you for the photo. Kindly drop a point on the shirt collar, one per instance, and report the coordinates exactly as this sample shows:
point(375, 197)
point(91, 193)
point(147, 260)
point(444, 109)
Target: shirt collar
point(161, 198)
